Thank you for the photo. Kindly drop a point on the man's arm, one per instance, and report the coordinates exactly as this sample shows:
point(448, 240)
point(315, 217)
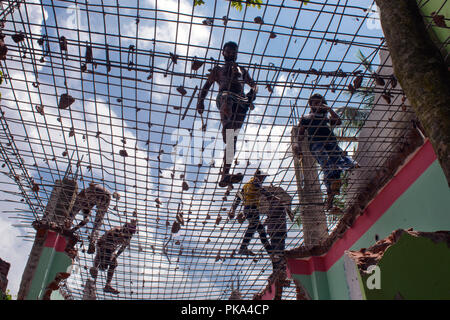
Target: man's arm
point(122, 247)
point(201, 96)
point(248, 80)
point(236, 202)
point(335, 120)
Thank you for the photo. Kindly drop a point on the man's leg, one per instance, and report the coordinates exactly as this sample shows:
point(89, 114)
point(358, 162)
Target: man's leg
point(228, 156)
point(94, 270)
point(111, 269)
point(326, 155)
point(339, 158)
point(226, 108)
point(333, 182)
point(278, 245)
point(252, 226)
point(263, 236)
point(230, 127)
point(94, 234)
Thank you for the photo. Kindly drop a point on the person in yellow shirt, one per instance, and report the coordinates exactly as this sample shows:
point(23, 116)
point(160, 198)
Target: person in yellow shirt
point(250, 195)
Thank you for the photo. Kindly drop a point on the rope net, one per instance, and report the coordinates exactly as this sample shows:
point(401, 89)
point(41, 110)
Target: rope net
point(126, 78)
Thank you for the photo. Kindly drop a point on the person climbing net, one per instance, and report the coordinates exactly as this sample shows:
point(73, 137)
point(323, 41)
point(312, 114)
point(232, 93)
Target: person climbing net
point(231, 102)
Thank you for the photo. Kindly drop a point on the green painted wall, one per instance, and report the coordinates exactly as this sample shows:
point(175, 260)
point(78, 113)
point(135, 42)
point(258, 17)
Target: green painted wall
point(316, 285)
point(425, 206)
point(405, 271)
point(442, 34)
point(50, 263)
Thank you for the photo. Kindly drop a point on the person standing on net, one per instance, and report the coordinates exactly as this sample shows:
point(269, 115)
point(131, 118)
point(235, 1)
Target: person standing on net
point(323, 144)
point(232, 103)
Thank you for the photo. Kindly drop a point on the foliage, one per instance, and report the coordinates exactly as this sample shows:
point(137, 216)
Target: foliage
point(5, 296)
point(356, 117)
point(340, 199)
point(297, 216)
point(237, 4)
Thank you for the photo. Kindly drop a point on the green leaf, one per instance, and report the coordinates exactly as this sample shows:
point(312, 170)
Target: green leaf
point(297, 216)
point(5, 296)
point(237, 4)
point(198, 2)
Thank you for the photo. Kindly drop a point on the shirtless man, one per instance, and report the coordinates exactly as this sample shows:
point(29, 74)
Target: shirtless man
point(106, 258)
point(94, 195)
point(231, 101)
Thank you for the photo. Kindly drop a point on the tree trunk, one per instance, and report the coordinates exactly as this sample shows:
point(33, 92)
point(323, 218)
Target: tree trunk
point(312, 213)
point(421, 71)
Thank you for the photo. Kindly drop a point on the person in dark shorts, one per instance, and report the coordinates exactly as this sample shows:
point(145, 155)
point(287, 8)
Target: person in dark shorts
point(323, 144)
point(231, 101)
point(118, 238)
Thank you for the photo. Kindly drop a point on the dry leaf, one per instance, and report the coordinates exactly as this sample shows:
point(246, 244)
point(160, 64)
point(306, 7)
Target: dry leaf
point(357, 82)
point(40, 109)
point(63, 43)
point(176, 227)
point(181, 90)
point(88, 55)
point(180, 218)
point(65, 101)
point(378, 79)
point(18, 37)
point(208, 22)
point(174, 58)
point(225, 20)
point(439, 20)
point(393, 81)
point(259, 20)
point(196, 64)
point(123, 153)
point(35, 187)
point(387, 98)
point(351, 89)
